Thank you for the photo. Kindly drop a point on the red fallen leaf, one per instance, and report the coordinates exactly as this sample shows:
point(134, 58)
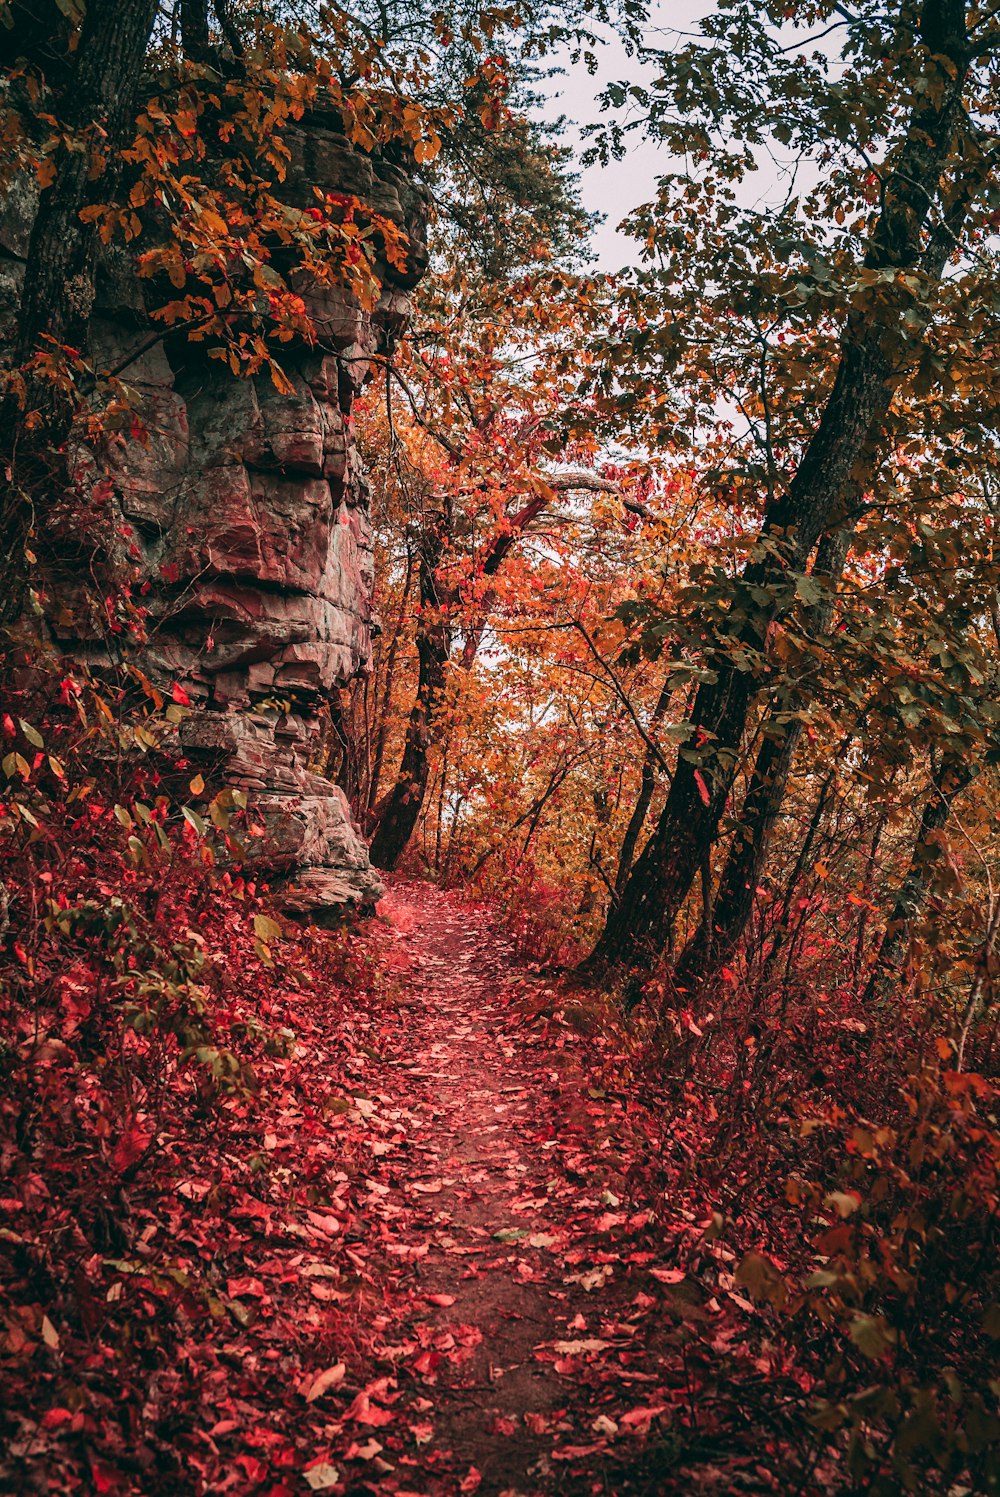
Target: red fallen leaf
point(609, 1219)
point(537, 1423)
point(245, 1289)
point(327, 1292)
point(180, 695)
point(324, 1381)
point(256, 1470)
point(444, 1300)
point(366, 1452)
point(363, 1411)
point(329, 1225)
point(642, 1418)
point(699, 780)
point(52, 1418)
point(105, 1478)
point(427, 1362)
point(130, 1147)
point(503, 1426)
point(577, 1452)
point(470, 1481)
point(669, 1275)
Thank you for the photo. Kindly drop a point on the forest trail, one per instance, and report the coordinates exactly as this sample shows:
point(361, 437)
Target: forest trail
point(535, 1319)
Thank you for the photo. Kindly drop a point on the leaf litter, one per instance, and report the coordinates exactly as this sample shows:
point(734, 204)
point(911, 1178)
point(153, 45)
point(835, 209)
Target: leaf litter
point(426, 1260)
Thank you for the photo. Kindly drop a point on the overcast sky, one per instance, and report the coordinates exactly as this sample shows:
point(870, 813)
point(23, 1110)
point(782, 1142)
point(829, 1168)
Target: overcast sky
point(616, 189)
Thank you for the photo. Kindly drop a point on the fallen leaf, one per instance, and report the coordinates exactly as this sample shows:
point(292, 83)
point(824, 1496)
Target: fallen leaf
point(325, 1380)
point(321, 1476)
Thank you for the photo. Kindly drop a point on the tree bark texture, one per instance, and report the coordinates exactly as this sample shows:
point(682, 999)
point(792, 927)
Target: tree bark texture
point(709, 948)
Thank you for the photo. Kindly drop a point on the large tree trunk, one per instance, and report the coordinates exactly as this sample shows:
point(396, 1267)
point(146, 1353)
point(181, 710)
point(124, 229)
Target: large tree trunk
point(98, 114)
point(710, 947)
point(873, 353)
point(398, 813)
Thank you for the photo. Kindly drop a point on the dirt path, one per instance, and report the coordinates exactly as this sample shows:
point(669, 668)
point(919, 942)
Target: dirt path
point(534, 1318)
point(431, 1254)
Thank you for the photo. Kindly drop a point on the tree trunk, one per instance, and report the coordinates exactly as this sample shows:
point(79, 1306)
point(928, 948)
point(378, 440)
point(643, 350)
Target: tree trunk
point(873, 354)
point(948, 779)
point(781, 928)
point(98, 113)
point(398, 813)
point(710, 947)
point(647, 785)
point(386, 702)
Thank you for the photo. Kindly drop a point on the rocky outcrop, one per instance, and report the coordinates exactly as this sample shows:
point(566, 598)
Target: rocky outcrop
point(239, 516)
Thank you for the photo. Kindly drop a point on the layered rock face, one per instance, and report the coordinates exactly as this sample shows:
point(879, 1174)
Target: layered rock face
point(242, 515)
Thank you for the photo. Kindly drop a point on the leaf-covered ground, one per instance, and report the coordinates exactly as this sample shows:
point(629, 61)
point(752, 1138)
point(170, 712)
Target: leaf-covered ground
point(432, 1256)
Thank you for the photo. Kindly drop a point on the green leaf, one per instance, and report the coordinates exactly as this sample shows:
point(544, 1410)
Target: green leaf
point(266, 929)
point(759, 1276)
point(193, 819)
point(808, 589)
point(871, 1334)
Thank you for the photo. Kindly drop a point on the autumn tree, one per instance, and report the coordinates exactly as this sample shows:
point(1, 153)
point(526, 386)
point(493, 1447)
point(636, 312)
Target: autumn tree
point(831, 324)
point(482, 410)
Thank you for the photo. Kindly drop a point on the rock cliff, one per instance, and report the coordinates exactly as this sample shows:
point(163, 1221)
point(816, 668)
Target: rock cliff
point(239, 519)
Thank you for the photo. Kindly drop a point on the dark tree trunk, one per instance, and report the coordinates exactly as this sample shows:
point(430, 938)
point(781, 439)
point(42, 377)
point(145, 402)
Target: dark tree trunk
point(196, 34)
point(98, 112)
point(647, 786)
point(781, 927)
point(714, 945)
point(871, 362)
point(381, 737)
point(948, 779)
point(195, 37)
point(398, 813)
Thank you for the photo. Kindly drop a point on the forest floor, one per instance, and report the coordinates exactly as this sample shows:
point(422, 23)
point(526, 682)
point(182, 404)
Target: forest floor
point(444, 1245)
point(542, 1336)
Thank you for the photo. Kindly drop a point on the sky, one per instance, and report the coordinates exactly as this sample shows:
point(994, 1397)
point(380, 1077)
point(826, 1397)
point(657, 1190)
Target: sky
point(614, 190)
